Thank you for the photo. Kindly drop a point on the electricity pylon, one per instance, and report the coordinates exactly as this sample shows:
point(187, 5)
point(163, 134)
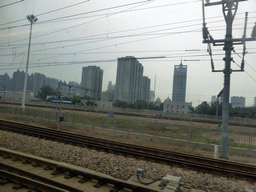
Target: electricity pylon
point(229, 9)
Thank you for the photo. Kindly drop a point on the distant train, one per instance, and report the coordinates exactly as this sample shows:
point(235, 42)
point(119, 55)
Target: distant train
point(59, 101)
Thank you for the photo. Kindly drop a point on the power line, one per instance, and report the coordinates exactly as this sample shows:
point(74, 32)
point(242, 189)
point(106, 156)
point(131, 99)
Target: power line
point(141, 2)
point(105, 33)
point(144, 58)
point(138, 51)
point(47, 12)
point(98, 47)
point(99, 38)
point(73, 26)
point(63, 8)
point(94, 11)
point(11, 4)
point(245, 71)
point(245, 61)
point(134, 41)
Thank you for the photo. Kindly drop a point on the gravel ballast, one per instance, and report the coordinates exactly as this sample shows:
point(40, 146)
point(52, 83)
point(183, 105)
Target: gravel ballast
point(117, 166)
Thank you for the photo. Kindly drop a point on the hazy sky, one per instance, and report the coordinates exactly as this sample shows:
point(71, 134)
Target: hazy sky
point(97, 32)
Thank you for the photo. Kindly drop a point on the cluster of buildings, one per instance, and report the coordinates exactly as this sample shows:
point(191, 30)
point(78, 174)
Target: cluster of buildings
point(35, 81)
point(131, 85)
point(14, 86)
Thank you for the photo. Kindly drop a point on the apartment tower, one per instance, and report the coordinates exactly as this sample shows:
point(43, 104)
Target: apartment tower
point(129, 79)
point(92, 80)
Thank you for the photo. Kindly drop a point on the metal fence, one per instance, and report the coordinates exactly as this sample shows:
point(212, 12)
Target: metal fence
point(240, 137)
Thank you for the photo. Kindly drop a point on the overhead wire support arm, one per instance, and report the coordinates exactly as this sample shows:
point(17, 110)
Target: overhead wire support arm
point(244, 42)
point(229, 9)
point(221, 2)
point(207, 36)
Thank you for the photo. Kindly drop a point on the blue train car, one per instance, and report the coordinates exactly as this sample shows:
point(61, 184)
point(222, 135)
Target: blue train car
point(58, 101)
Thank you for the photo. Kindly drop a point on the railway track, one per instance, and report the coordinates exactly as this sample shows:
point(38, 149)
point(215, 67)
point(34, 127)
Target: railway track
point(209, 165)
point(198, 120)
point(22, 171)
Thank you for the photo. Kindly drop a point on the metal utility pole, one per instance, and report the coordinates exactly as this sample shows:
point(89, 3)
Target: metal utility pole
point(4, 87)
point(229, 9)
point(217, 107)
point(32, 19)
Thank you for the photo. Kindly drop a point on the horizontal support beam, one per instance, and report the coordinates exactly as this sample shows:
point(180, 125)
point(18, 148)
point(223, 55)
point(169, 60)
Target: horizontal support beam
point(231, 71)
point(220, 2)
point(232, 40)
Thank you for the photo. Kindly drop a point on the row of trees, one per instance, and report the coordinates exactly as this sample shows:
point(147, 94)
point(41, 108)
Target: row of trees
point(139, 104)
point(48, 91)
point(210, 109)
point(204, 108)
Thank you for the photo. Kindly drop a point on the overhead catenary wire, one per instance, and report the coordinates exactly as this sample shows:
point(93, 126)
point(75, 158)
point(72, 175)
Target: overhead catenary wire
point(95, 11)
point(245, 61)
point(125, 52)
point(46, 12)
point(161, 58)
point(35, 36)
point(245, 71)
point(80, 51)
point(115, 43)
point(11, 4)
point(81, 38)
point(122, 43)
point(120, 6)
point(87, 37)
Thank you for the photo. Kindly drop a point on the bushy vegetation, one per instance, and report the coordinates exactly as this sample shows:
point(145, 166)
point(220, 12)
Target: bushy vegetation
point(139, 104)
point(210, 109)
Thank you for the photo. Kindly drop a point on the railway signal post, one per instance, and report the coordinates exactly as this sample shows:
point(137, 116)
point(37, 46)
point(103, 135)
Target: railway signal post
point(229, 9)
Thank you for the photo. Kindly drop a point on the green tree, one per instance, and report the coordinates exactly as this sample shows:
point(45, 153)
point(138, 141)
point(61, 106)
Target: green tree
point(203, 108)
point(76, 100)
point(45, 91)
point(140, 104)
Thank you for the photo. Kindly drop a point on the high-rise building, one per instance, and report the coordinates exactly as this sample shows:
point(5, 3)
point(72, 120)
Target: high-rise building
point(18, 80)
point(214, 99)
point(255, 101)
point(151, 96)
point(92, 79)
point(238, 102)
point(179, 83)
point(145, 88)
point(129, 79)
point(38, 81)
point(178, 103)
point(4, 79)
point(51, 82)
point(30, 83)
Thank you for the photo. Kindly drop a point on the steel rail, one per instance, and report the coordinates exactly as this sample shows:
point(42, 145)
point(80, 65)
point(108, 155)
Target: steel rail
point(26, 182)
point(61, 169)
point(209, 164)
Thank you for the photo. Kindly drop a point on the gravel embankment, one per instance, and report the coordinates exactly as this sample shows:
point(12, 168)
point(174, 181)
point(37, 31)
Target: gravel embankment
point(116, 166)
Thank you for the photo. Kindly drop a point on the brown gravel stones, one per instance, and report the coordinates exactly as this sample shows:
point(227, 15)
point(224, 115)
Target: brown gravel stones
point(117, 166)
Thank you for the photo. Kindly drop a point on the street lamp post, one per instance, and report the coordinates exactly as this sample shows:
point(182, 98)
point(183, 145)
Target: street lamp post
point(32, 19)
